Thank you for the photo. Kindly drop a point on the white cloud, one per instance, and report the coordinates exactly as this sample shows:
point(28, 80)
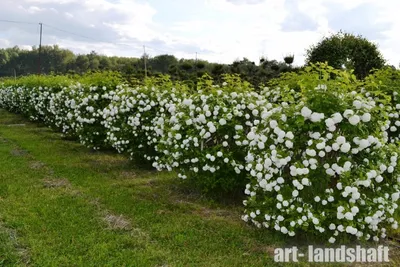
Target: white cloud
point(68, 15)
point(219, 30)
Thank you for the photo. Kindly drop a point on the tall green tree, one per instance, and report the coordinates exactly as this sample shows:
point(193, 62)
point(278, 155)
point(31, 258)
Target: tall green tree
point(345, 50)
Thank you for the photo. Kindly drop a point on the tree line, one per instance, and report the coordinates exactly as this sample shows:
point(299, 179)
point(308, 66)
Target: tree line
point(341, 50)
point(56, 60)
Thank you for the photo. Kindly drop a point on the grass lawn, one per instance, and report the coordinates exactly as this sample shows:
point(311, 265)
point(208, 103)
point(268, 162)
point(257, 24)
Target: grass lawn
point(64, 205)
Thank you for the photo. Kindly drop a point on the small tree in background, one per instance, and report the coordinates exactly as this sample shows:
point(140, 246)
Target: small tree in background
point(289, 59)
point(349, 51)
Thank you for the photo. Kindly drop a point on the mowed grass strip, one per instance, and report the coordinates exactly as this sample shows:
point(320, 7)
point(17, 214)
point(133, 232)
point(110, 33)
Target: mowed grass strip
point(74, 224)
point(74, 207)
point(56, 225)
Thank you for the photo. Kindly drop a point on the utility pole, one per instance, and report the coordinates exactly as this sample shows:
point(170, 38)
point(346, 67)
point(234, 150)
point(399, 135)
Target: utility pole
point(40, 49)
point(195, 64)
point(145, 64)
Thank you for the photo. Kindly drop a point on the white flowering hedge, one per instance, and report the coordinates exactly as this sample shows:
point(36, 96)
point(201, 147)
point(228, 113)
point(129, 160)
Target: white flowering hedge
point(205, 134)
point(385, 84)
point(324, 166)
point(315, 153)
point(135, 117)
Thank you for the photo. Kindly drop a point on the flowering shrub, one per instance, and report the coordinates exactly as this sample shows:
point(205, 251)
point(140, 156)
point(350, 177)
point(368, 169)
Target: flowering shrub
point(88, 100)
point(135, 118)
point(385, 85)
point(315, 151)
point(205, 134)
point(322, 165)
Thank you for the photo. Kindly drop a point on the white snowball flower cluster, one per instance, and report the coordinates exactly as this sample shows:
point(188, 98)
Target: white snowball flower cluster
point(317, 159)
point(216, 137)
point(329, 156)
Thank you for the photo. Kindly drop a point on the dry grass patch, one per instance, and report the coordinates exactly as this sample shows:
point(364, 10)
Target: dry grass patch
point(56, 183)
point(19, 152)
point(21, 250)
point(35, 165)
point(128, 174)
point(117, 222)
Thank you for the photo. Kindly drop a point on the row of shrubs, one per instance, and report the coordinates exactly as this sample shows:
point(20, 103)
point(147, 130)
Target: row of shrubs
point(315, 152)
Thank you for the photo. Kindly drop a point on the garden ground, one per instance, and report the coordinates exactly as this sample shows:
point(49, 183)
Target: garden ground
point(64, 205)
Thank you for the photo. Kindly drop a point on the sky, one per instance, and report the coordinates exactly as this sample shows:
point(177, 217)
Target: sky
point(217, 30)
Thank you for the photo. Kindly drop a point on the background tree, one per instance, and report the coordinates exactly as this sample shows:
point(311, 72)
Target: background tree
point(349, 51)
point(62, 61)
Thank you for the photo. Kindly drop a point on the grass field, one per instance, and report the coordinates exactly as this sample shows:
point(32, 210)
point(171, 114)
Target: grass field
point(64, 205)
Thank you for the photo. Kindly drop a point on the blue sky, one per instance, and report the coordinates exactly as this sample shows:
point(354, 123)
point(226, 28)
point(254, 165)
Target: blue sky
point(218, 30)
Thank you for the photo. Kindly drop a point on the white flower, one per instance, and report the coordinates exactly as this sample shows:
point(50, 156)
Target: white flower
point(354, 120)
point(289, 135)
point(340, 140)
point(316, 117)
point(355, 210)
point(259, 167)
point(273, 124)
point(178, 136)
point(345, 147)
point(320, 146)
point(332, 240)
point(335, 146)
point(311, 152)
point(305, 181)
point(330, 172)
point(261, 145)
point(357, 104)
point(332, 128)
point(349, 216)
point(289, 144)
point(222, 121)
point(347, 165)
point(337, 117)
point(251, 135)
point(329, 122)
point(306, 112)
point(366, 117)
point(364, 143)
point(347, 113)
point(284, 230)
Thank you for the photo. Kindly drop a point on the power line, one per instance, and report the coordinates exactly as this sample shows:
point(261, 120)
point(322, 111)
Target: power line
point(136, 46)
point(18, 22)
point(159, 50)
point(90, 38)
point(79, 35)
